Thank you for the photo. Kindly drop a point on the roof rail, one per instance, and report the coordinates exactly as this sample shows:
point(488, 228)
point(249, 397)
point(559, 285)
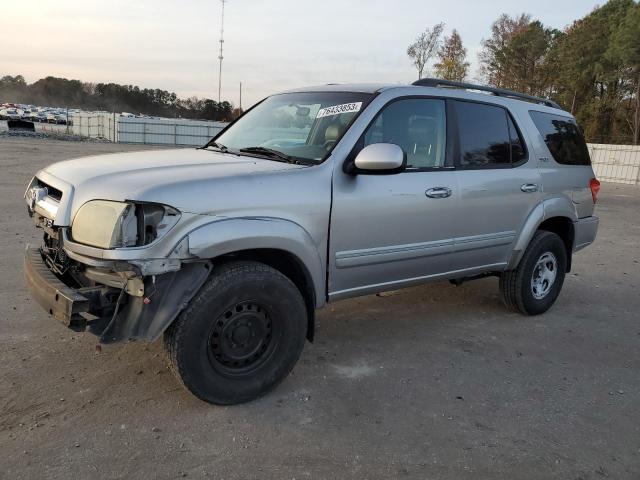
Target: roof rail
point(500, 92)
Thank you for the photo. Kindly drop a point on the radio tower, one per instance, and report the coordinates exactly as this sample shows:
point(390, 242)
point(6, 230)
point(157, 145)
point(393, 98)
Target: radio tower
point(220, 56)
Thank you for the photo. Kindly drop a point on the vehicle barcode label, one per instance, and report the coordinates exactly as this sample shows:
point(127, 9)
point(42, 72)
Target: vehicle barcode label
point(338, 109)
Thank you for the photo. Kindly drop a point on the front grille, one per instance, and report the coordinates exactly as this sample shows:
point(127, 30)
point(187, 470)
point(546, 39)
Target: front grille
point(52, 191)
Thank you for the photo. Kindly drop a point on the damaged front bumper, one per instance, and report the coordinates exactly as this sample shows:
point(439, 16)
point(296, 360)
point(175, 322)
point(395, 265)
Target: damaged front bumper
point(109, 309)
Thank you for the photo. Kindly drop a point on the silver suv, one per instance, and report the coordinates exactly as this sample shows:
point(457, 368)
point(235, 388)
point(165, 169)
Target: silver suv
point(312, 196)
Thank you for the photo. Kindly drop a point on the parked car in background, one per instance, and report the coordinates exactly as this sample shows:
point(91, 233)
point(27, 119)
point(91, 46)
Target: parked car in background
point(228, 250)
point(12, 114)
point(41, 117)
point(30, 116)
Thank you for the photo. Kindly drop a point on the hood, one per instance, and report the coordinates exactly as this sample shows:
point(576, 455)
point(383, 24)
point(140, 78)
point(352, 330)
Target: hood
point(170, 176)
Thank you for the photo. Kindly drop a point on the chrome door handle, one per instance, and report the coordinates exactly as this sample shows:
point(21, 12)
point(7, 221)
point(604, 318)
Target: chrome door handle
point(529, 188)
point(438, 192)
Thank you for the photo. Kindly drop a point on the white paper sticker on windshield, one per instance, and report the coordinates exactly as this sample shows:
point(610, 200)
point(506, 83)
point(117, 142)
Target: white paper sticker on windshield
point(338, 109)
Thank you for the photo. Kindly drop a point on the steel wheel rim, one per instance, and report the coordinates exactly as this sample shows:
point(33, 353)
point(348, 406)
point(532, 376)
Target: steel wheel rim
point(544, 275)
point(241, 339)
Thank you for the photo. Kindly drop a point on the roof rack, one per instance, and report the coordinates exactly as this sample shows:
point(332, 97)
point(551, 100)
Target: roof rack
point(500, 92)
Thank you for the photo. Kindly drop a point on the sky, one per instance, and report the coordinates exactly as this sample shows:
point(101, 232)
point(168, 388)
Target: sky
point(270, 45)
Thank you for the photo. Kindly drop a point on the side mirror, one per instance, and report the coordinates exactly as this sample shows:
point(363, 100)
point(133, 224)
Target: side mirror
point(380, 158)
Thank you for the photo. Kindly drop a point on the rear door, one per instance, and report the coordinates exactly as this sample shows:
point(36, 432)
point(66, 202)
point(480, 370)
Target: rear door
point(499, 185)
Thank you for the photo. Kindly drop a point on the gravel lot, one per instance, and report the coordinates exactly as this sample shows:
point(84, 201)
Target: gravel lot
point(437, 381)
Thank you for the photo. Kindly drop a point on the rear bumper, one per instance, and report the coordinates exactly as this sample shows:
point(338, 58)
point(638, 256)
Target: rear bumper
point(585, 232)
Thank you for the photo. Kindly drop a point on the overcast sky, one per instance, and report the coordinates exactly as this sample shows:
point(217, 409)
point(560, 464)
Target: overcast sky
point(270, 45)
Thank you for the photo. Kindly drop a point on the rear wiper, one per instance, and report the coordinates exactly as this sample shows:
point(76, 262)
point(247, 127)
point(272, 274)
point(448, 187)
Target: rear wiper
point(271, 153)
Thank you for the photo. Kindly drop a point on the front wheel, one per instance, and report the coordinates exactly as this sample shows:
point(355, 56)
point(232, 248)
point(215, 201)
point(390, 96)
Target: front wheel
point(534, 286)
point(240, 336)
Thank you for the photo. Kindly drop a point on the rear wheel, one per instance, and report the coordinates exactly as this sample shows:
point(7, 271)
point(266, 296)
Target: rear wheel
point(240, 336)
point(534, 286)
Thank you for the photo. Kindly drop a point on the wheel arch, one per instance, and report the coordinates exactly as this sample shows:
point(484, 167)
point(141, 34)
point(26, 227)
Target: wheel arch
point(281, 244)
point(555, 215)
point(564, 228)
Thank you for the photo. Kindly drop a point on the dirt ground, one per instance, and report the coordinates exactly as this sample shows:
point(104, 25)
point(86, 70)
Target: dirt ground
point(436, 382)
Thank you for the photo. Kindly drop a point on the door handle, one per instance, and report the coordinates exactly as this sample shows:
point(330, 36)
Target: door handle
point(438, 192)
point(529, 188)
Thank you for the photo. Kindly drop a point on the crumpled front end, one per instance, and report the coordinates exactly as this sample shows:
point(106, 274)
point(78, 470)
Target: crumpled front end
point(129, 284)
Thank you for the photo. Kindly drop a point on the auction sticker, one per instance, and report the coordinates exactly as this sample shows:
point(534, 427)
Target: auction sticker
point(338, 109)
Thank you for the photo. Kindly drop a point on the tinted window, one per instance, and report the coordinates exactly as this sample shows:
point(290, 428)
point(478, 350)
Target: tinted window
point(563, 138)
point(483, 135)
point(518, 153)
point(417, 125)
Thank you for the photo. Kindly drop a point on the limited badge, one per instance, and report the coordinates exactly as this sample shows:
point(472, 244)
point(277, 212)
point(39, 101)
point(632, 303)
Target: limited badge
point(338, 109)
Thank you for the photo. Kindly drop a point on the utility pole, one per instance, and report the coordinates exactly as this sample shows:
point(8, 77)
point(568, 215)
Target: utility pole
point(240, 96)
point(220, 56)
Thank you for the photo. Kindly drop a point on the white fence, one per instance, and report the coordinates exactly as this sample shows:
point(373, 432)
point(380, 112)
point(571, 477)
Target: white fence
point(95, 125)
point(166, 131)
point(155, 131)
point(616, 163)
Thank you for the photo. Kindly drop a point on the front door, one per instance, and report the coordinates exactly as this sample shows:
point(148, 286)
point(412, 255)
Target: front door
point(395, 230)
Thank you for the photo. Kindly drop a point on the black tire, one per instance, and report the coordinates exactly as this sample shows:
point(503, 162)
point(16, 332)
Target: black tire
point(516, 286)
point(240, 335)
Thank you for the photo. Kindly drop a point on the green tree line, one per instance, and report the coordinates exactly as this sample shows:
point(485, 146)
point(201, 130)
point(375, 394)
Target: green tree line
point(591, 68)
point(61, 92)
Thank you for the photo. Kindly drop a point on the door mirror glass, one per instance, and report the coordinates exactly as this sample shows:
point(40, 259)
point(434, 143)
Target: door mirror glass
point(381, 158)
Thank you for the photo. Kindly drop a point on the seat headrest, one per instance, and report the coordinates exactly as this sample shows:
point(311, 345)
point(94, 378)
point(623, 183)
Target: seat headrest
point(421, 129)
point(332, 133)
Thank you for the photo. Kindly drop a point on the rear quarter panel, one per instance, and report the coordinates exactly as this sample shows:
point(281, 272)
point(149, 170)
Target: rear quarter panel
point(569, 182)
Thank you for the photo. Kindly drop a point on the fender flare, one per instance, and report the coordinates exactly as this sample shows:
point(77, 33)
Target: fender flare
point(549, 208)
point(224, 236)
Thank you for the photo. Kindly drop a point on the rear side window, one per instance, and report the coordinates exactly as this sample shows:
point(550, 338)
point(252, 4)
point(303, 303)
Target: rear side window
point(563, 138)
point(487, 136)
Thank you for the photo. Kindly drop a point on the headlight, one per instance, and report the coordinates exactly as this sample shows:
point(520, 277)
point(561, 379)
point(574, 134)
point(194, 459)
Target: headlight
point(107, 224)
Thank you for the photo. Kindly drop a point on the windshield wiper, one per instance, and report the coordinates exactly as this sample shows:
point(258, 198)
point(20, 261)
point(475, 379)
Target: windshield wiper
point(219, 146)
point(271, 153)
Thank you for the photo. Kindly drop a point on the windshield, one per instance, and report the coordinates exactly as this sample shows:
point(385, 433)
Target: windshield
point(304, 126)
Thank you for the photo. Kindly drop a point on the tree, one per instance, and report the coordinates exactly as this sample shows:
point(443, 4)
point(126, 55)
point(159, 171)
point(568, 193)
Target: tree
point(526, 60)
point(595, 79)
point(493, 55)
point(452, 59)
point(61, 92)
point(17, 81)
point(625, 51)
point(425, 46)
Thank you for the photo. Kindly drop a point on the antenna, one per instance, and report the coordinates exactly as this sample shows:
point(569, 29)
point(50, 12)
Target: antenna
point(220, 57)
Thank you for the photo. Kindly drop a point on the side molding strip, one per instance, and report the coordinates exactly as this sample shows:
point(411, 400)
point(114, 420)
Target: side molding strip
point(394, 253)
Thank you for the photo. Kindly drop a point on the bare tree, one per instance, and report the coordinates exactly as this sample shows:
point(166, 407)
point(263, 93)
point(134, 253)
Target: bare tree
point(425, 47)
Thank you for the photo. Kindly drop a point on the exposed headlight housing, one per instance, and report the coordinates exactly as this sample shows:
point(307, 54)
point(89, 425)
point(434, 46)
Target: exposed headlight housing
point(109, 224)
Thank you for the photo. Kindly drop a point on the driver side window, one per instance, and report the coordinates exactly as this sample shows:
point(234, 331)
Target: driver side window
point(417, 125)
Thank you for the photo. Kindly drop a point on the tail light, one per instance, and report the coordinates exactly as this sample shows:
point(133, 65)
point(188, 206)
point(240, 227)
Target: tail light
point(594, 186)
